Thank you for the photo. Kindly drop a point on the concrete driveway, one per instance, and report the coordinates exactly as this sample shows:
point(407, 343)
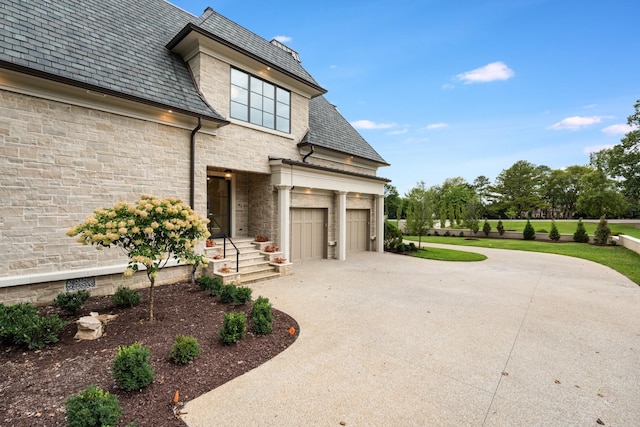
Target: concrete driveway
point(386, 340)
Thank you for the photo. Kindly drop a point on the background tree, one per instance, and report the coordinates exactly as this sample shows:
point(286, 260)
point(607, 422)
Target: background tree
point(518, 188)
point(453, 197)
point(420, 204)
point(599, 196)
point(623, 161)
point(151, 232)
point(392, 201)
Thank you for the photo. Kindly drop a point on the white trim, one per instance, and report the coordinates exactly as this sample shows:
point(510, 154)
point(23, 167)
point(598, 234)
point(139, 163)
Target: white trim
point(57, 276)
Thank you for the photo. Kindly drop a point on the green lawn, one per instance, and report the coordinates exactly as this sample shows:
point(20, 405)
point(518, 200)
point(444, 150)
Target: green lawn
point(440, 254)
point(618, 258)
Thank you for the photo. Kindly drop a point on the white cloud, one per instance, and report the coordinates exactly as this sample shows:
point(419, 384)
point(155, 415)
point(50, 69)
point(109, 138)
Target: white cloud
point(436, 126)
point(398, 132)
point(595, 148)
point(575, 122)
point(448, 86)
point(368, 124)
point(490, 72)
point(619, 129)
point(283, 39)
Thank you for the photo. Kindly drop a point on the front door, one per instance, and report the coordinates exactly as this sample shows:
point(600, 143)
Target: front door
point(219, 206)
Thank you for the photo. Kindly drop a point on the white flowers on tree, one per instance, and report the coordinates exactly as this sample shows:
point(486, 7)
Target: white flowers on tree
point(151, 232)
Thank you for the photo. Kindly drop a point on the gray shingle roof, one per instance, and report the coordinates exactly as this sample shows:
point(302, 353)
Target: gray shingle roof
point(244, 40)
point(120, 47)
point(116, 46)
point(329, 129)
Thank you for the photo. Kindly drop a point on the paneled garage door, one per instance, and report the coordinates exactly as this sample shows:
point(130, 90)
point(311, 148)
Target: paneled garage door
point(308, 234)
point(357, 230)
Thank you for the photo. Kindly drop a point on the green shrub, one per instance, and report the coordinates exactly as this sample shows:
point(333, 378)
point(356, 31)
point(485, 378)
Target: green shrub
point(413, 247)
point(131, 369)
point(233, 328)
point(447, 233)
point(554, 234)
point(211, 284)
point(435, 233)
point(21, 325)
point(500, 227)
point(125, 297)
point(486, 228)
point(243, 294)
point(542, 230)
point(93, 407)
point(529, 233)
point(580, 235)
point(392, 235)
point(602, 232)
point(262, 316)
point(401, 247)
point(232, 294)
point(184, 350)
point(71, 302)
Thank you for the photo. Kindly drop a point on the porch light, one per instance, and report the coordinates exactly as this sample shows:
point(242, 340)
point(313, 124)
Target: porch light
point(227, 174)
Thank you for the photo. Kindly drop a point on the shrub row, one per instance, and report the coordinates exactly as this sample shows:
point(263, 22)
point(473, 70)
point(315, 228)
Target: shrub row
point(21, 325)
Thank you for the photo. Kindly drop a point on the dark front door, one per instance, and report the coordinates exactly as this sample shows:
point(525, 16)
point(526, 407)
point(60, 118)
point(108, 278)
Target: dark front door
point(219, 205)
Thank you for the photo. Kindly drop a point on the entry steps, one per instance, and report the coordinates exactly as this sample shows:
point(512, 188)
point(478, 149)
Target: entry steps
point(253, 265)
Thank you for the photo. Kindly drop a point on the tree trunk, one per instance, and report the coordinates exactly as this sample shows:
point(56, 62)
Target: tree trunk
point(153, 281)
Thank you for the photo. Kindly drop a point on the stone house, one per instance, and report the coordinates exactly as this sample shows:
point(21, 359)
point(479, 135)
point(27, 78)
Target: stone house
point(105, 100)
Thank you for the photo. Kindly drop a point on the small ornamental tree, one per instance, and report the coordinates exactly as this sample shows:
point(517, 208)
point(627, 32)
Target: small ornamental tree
point(529, 233)
point(554, 234)
point(602, 232)
point(500, 227)
point(486, 228)
point(581, 235)
point(151, 232)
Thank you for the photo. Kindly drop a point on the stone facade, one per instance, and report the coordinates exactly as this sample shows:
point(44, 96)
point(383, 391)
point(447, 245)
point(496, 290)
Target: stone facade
point(65, 151)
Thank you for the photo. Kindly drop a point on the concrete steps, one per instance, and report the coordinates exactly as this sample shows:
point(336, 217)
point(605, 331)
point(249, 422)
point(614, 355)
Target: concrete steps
point(253, 265)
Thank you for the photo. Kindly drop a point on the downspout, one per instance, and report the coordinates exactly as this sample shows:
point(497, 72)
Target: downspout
point(192, 195)
point(304, 159)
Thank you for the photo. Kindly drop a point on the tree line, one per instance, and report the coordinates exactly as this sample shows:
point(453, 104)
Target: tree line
point(609, 185)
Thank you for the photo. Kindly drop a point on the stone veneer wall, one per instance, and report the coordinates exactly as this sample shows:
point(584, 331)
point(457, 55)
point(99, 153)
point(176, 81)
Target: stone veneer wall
point(262, 209)
point(60, 162)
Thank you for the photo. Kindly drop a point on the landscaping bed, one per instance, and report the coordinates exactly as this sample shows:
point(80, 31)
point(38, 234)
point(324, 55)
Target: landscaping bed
point(35, 384)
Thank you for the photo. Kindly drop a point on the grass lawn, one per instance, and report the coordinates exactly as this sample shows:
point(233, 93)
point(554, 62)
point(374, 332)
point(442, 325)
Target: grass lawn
point(619, 258)
point(440, 254)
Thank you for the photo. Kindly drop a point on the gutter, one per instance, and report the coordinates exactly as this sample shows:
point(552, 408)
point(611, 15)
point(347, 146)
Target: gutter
point(192, 182)
point(304, 159)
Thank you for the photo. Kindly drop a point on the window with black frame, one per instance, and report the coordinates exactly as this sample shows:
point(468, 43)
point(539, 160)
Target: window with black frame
point(259, 102)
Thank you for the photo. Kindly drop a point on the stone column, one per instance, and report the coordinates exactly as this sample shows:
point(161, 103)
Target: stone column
point(284, 220)
point(341, 226)
point(379, 245)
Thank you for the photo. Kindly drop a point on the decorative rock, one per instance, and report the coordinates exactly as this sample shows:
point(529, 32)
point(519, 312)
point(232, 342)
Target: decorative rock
point(89, 328)
point(106, 318)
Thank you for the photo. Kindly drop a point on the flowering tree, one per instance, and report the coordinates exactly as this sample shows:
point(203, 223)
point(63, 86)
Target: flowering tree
point(151, 232)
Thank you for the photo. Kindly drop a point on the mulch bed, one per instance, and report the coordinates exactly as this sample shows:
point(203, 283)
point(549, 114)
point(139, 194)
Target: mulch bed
point(34, 385)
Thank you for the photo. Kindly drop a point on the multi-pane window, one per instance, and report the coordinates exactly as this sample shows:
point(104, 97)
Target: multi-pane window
point(259, 102)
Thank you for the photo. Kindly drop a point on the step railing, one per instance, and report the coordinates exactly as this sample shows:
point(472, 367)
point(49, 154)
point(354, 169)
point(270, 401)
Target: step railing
point(225, 236)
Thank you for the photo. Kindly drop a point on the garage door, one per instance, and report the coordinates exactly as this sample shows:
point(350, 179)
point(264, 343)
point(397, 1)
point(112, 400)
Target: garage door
point(357, 230)
point(308, 235)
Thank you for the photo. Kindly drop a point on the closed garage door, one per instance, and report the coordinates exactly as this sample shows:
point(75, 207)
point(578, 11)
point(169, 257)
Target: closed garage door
point(357, 230)
point(308, 236)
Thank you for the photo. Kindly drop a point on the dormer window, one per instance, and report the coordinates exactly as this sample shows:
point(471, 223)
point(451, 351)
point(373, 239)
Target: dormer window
point(259, 102)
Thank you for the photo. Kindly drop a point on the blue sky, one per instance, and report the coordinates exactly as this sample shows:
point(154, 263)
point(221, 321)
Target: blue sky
point(464, 88)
